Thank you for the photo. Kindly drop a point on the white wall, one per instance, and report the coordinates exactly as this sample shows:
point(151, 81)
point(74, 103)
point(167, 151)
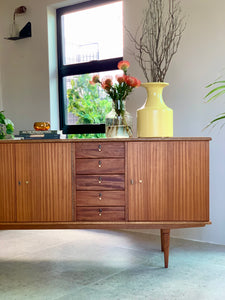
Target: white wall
point(1, 102)
point(200, 59)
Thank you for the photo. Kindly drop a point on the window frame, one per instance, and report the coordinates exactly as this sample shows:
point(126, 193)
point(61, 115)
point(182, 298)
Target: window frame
point(94, 66)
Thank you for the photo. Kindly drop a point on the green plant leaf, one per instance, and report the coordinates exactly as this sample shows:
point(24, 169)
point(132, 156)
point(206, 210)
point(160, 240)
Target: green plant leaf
point(214, 121)
point(9, 129)
point(216, 95)
point(2, 117)
point(9, 126)
point(215, 82)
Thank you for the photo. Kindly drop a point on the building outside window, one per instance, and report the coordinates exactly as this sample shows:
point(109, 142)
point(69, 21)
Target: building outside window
point(90, 41)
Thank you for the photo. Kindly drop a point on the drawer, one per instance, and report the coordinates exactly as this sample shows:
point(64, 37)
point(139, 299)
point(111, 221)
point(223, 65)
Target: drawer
point(100, 182)
point(100, 166)
point(99, 150)
point(106, 214)
point(103, 198)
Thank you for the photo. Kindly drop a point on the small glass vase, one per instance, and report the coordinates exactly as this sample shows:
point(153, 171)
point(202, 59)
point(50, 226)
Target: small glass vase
point(118, 123)
point(14, 30)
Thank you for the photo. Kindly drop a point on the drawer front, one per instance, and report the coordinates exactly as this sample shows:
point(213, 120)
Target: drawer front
point(101, 182)
point(103, 198)
point(100, 166)
point(99, 150)
point(104, 214)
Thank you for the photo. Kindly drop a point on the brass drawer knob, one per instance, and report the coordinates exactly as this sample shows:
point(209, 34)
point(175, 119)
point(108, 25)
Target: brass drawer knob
point(100, 196)
point(99, 148)
point(99, 164)
point(99, 180)
point(100, 212)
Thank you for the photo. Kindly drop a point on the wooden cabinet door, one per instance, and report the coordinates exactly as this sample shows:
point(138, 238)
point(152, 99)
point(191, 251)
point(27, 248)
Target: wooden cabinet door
point(43, 178)
point(188, 180)
point(168, 181)
point(7, 183)
point(147, 181)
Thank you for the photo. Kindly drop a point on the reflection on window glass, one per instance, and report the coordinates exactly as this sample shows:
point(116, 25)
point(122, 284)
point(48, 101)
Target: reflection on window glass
point(93, 34)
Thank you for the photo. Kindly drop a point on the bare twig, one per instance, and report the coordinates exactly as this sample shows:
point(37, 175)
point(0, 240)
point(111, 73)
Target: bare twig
point(158, 37)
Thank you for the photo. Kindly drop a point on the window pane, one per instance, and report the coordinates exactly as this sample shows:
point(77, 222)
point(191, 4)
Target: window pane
point(86, 103)
point(93, 34)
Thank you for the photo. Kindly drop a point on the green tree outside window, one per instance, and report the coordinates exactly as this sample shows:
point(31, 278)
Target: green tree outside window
point(87, 104)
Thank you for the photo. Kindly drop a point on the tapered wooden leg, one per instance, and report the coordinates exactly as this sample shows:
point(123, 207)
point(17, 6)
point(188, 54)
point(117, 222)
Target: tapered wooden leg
point(161, 233)
point(165, 245)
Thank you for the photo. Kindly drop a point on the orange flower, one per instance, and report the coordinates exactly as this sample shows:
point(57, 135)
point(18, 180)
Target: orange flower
point(120, 78)
point(107, 83)
point(123, 86)
point(123, 65)
point(138, 82)
point(95, 79)
point(132, 81)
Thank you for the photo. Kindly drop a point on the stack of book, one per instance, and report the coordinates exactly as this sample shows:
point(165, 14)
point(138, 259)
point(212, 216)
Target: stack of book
point(48, 134)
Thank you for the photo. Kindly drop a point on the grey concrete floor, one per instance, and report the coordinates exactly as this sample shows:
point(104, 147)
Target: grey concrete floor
point(97, 264)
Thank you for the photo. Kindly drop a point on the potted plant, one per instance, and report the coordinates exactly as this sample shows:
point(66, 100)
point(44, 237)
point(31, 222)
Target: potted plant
point(217, 90)
point(156, 42)
point(6, 127)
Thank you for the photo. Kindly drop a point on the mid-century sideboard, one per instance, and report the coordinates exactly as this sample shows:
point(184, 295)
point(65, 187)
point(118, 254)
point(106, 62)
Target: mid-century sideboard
point(159, 183)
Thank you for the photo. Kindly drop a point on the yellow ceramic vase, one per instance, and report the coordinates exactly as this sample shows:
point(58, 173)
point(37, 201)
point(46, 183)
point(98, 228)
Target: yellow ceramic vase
point(154, 119)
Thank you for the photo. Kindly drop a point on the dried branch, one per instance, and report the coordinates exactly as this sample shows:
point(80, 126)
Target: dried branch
point(158, 37)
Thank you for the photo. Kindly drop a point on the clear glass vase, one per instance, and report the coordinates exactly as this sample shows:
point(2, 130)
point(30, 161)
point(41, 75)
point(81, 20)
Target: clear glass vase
point(14, 30)
point(119, 122)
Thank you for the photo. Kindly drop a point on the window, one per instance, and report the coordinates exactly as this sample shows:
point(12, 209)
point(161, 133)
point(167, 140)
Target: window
point(90, 41)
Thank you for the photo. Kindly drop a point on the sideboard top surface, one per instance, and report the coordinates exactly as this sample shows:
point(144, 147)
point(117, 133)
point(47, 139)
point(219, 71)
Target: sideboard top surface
point(167, 139)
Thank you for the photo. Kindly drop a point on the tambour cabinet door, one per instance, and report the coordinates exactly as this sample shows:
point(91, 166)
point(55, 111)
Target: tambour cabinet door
point(43, 178)
point(147, 181)
point(188, 180)
point(168, 180)
point(7, 183)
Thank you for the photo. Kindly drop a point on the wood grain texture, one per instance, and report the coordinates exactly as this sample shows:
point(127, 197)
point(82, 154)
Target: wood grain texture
point(101, 213)
point(147, 168)
point(165, 240)
point(99, 149)
point(73, 162)
point(188, 181)
point(101, 225)
point(44, 171)
point(126, 185)
point(7, 183)
point(104, 198)
point(100, 182)
point(100, 166)
point(175, 181)
point(103, 140)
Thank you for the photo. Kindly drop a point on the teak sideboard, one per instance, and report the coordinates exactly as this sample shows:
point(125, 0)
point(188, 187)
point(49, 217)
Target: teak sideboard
point(160, 183)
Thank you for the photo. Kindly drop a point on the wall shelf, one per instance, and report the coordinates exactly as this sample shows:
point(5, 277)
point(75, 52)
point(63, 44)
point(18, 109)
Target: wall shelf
point(24, 33)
